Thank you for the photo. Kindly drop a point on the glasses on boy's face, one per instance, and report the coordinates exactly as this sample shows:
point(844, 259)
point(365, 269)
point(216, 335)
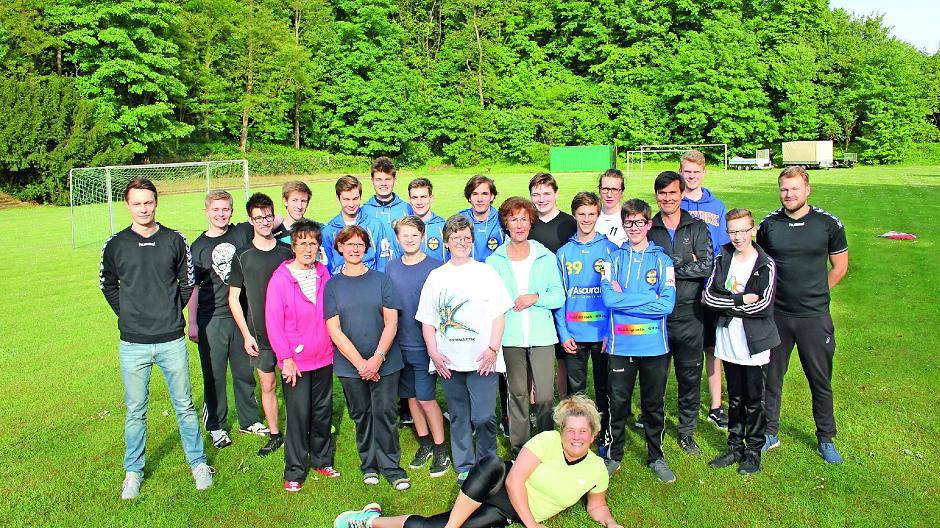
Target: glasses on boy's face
point(611, 190)
point(262, 218)
point(627, 224)
point(741, 232)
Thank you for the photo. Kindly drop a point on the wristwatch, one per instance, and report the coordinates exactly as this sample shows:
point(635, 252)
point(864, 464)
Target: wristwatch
point(380, 354)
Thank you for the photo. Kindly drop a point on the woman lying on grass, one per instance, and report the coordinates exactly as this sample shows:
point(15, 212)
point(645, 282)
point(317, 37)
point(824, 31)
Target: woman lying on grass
point(553, 471)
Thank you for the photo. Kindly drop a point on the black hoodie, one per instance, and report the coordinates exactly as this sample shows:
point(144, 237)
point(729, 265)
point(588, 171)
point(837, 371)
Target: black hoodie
point(147, 282)
point(691, 239)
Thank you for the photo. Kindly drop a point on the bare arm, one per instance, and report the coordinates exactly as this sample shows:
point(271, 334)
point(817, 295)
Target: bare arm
point(235, 306)
point(521, 470)
point(599, 511)
point(390, 318)
point(840, 265)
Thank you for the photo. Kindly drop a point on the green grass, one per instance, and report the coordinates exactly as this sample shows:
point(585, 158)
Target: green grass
point(61, 409)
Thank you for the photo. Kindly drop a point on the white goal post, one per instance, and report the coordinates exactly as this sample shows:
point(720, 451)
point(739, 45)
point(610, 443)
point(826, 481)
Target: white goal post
point(642, 150)
point(96, 195)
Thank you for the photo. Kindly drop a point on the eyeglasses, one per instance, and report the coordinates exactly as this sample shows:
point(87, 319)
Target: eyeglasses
point(306, 245)
point(627, 224)
point(519, 220)
point(263, 218)
point(460, 239)
point(611, 190)
point(740, 232)
point(354, 245)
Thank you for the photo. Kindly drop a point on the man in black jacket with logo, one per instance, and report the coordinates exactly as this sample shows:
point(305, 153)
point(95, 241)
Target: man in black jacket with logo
point(687, 241)
point(147, 277)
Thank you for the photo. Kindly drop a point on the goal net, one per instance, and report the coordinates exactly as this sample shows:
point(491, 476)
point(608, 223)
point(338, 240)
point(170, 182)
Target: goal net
point(96, 195)
point(640, 153)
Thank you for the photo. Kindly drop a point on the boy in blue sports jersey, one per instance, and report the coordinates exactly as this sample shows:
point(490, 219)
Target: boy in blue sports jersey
point(702, 204)
point(421, 196)
point(640, 291)
point(480, 191)
point(385, 205)
point(582, 321)
point(381, 250)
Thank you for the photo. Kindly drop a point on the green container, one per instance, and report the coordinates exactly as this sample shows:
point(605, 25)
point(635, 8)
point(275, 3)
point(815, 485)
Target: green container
point(587, 158)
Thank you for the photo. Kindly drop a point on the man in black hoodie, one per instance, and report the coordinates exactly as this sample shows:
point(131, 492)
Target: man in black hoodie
point(688, 243)
point(147, 278)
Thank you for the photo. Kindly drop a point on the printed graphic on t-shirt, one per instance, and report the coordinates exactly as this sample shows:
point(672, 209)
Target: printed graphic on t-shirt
point(222, 260)
point(732, 284)
point(448, 311)
point(637, 328)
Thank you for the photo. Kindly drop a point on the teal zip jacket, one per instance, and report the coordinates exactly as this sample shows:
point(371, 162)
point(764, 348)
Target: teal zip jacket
point(545, 280)
point(638, 314)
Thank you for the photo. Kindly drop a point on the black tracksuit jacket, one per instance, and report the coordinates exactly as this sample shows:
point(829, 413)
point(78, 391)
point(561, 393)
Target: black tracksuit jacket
point(758, 317)
point(147, 282)
point(691, 238)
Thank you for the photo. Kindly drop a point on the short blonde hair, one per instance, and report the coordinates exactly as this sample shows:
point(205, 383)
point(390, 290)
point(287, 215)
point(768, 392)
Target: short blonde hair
point(794, 171)
point(410, 221)
point(295, 186)
point(577, 405)
point(693, 156)
point(219, 195)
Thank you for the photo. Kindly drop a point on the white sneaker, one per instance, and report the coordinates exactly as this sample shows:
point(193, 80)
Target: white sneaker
point(256, 428)
point(130, 489)
point(220, 438)
point(203, 475)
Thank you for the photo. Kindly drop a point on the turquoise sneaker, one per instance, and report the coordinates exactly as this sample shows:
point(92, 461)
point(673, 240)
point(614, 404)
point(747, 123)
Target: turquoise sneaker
point(358, 518)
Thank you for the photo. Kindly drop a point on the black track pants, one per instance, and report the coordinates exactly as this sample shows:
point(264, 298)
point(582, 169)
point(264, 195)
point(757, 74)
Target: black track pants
point(309, 406)
point(653, 372)
point(220, 346)
point(815, 340)
point(746, 420)
point(686, 346)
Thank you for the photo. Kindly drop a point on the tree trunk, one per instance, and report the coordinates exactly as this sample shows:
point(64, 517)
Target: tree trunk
point(297, 89)
point(243, 139)
point(58, 61)
point(476, 28)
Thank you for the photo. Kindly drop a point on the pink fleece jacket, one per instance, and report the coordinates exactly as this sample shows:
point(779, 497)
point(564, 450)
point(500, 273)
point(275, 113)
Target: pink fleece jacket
point(295, 326)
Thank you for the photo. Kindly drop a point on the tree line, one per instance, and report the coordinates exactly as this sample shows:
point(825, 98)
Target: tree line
point(468, 81)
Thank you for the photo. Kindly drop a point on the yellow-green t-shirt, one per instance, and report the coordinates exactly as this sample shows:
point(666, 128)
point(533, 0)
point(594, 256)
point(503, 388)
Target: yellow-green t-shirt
point(554, 485)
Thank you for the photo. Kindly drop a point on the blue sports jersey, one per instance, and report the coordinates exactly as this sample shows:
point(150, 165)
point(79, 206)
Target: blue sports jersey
point(710, 210)
point(381, 245)
point(433, 243)
point(388, 213)
point(584, 316)
point(487, 234)
point(637, 325)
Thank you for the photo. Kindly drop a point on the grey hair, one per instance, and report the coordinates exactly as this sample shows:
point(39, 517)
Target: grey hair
point(458, 222)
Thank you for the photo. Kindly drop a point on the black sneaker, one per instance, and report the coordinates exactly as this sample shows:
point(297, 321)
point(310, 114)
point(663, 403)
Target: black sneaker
point(725, 459)
point(688, 444)
point(719, 417)
point(274, 443)
point(440, 463)
point(749, 464)
point(422, 456)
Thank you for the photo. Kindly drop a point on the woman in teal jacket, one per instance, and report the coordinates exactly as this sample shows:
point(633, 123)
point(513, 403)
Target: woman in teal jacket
point(530, 272)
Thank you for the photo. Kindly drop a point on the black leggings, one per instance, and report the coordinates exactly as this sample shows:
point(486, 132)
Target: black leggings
point(485, 484)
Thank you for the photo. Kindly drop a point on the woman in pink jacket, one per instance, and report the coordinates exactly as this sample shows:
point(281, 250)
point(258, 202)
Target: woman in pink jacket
point(298, 335)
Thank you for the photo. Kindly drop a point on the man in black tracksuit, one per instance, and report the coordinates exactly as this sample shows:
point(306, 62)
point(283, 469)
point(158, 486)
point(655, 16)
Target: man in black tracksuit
point(687, 241)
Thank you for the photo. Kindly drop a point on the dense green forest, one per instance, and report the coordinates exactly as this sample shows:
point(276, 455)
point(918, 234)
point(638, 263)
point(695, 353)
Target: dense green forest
point(467, 81)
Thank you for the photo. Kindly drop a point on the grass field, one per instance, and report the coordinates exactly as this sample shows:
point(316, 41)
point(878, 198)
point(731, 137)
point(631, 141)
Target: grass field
point(61, 409)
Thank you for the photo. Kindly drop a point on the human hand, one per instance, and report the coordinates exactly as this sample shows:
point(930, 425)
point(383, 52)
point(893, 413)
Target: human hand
point(750, 298)
point(441, 364)
point(193, 333)
point(251, 346)
point(290, 372)
point(524, 301)
point(570, 346)
point(616, 286)
point(486, 362)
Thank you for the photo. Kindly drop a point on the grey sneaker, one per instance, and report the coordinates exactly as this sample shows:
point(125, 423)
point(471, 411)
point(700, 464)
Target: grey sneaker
point(220, 438)
point(424, 453)
point(256, 428)
point(662, 471)
point(130, 488)
point(370, 478)
point(441, 463)
point(612, 466)
point(203, 475)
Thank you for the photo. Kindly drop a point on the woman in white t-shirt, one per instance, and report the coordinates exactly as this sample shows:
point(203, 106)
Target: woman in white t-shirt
point(741, 290)
point(462, 309)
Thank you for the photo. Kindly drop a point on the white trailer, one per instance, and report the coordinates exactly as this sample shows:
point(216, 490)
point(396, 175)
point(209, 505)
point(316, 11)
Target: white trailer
point(760, 161)
point(808, 154)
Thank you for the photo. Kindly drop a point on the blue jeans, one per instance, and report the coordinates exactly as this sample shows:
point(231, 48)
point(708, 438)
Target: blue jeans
point(471, 401)
point(137, 360)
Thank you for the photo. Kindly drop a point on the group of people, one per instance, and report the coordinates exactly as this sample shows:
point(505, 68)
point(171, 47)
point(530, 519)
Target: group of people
point(501, 307)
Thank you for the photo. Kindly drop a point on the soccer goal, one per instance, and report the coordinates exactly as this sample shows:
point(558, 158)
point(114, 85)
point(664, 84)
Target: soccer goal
point(641, 152)
point(96, 195)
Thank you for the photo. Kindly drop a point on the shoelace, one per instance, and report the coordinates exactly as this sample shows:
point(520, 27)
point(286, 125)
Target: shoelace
point(203, 469)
